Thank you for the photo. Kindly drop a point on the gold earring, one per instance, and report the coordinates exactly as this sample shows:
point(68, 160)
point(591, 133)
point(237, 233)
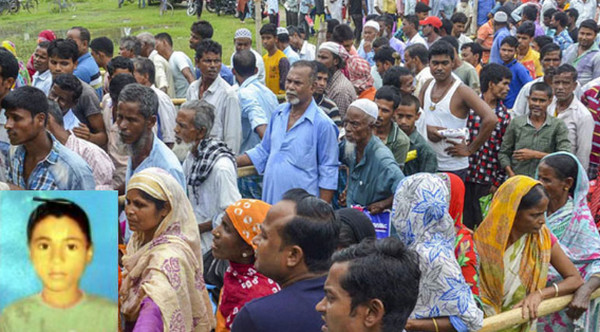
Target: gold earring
point(566, 188)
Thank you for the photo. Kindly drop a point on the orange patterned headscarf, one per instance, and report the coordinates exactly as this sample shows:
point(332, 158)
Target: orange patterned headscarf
point(492, 236)
point(246, 215)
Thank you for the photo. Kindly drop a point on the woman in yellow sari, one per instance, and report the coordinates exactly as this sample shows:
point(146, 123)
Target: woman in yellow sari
point(516, 248)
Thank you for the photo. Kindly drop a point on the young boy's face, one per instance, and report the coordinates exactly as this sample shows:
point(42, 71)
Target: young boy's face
point(406, 116)
point(269, 42)
point(60, 66)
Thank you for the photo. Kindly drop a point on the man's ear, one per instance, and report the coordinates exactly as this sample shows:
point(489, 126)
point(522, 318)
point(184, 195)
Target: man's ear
point(375, 312)
point(151, 121)
point(294, 257)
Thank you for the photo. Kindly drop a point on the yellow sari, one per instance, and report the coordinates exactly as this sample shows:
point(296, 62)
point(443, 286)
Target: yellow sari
point(524, 264)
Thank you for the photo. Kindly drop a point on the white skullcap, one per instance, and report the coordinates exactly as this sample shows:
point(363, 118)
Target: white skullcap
point(500, 17)
point(372, 24)
point(243, 33)
point(331, 47)
point(367, 106)
point(282, 31)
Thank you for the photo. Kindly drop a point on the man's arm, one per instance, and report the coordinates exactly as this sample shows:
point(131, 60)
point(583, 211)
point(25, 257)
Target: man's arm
point(96, 133)
point(507, 148)
point(284, 68)
point(585, 134)
point(187, 73)
point(327, 159)
point(488, 117)
point(326, 195)
point(232, 124)
point(562, 138)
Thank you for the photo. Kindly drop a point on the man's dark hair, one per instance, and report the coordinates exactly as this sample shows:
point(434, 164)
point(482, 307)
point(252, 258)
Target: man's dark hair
point(549, 13)
point(283, 37)
point(459, 18)
point(530, 13)
point(145, 66)
point(331, 24)
point(510, 41)
point(393, 76)
point(419, 51)
point(132, 44)
point(244, 63)
point(307, 64)
point(63, 49)
point(202, 28)
point(58, 208)
point(475, 48)
point(412, 19)
point(269, 29)
point(410, 100)
point(120, 62)
point(389, 93)
point(542, 41)
point(292, 30)
point(144, 96)
point(541, 86)
point(441, 47)
point(385, 270)
point(381, 42)
point(572, 13)
point(9, 66)
point(28, 98)
point(561, 18)
point(44, 44)
point(342, 33)
point(526, 28)
point(447, 26)
point(385, 53)
point(493, 73)
point(589, 24)
point(69, 82)
point(164, 36)
point(117, 84)
point(321, 68)
point(314, 229)
point(550, 48)
point(387, 20)
point(84, 34)
point(103, 45)
point(452, 41)
point(567, 68)
point(208, 46)
point(55, 112)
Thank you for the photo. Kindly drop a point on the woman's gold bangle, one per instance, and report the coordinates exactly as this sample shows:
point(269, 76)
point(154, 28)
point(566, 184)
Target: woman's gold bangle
point(555, 289)
point(435, 324)
point(541, 294)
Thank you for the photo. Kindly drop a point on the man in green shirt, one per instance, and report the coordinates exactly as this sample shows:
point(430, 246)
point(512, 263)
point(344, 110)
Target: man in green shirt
point(373, 172)
point(387, 99)
point(420, 156)
point(530, 137)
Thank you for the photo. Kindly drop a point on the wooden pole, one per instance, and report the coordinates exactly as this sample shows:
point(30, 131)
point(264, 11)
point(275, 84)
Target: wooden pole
point(257, 24)
point(513, 317)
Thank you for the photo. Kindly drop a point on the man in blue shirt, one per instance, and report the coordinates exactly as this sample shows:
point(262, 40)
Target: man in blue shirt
point(37, 160)
point(87, 70)
point(299, 148)
point(136, 116)
point(520, 74)
point(294, 247)
point(501, 32)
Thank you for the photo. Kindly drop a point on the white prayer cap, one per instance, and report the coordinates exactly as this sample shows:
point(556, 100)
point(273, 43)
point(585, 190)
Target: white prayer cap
point(500, 17)
point(367, 106)
point(242, 33)
point(331, 47)
point(372, 24)
point(282, 31)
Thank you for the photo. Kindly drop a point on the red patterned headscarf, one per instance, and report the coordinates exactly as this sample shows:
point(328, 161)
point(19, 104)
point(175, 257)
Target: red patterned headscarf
point(359, 71)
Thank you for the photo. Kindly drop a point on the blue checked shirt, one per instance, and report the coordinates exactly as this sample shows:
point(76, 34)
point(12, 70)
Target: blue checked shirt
point(62, 169)
point(563, 40)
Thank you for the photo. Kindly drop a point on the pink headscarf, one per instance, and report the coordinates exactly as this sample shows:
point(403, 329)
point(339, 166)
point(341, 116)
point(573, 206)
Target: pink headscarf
point(359, 72)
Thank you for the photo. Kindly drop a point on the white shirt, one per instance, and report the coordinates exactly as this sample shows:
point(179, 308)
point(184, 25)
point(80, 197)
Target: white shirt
point(462, 39)
point(178, 62)
point(308, 51)
point(586, 10)
point(167, 114)
point(580, 124)
point(42, 81)
point(228, 116)
point(70, 120)
point(521, 105)
point(213, 196)
point(260, 65)
point(163, 76)
point(417, 39)
point(421, 78)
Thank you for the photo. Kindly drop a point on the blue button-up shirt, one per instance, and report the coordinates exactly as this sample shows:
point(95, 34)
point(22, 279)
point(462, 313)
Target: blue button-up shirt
point(87, 70)
point(306, 156)
point(258, 103)
point(520, 77)
point(162, 157)
point(62, 169)
point(498, 38)
point(291, 55)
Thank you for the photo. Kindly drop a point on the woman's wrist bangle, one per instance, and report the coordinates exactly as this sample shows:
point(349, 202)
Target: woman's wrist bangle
point(555, 289)
point(435, 324)
point(541, 294)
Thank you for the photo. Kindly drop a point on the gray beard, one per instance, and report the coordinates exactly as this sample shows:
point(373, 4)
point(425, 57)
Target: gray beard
point(349, 150)
point(134, 149)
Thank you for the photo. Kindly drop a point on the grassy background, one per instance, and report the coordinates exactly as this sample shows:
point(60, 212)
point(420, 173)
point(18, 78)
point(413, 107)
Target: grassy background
point(104, 18)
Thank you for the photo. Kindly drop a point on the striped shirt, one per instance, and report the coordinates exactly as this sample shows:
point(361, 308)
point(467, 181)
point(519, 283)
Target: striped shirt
point(591, 99)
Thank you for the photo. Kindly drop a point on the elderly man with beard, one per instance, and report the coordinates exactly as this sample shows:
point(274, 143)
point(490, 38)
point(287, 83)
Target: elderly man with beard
point(209, 168)
point(136, 116)
point(373, 171)
point(339, 88)
point(299, 147)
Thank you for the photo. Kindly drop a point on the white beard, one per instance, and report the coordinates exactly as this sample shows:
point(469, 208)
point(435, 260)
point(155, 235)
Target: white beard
point(349, 150)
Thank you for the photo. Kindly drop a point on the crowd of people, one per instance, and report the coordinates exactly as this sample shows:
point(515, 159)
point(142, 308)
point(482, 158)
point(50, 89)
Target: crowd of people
point(424, 166)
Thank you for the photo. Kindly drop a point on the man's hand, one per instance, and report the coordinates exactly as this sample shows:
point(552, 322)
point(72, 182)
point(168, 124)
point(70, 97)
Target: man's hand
point(342, 199)
point(376, 207)
point(493, 189)
point(458, 150)
point(82, 132)
point(433, 134)
point(525, 154)
point(367, 46)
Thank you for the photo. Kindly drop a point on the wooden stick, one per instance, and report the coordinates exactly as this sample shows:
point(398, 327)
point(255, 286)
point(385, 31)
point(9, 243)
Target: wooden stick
point(246, 171)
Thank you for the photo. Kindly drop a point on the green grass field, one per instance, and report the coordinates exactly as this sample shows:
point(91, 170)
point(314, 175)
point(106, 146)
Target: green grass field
point(104, 18)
